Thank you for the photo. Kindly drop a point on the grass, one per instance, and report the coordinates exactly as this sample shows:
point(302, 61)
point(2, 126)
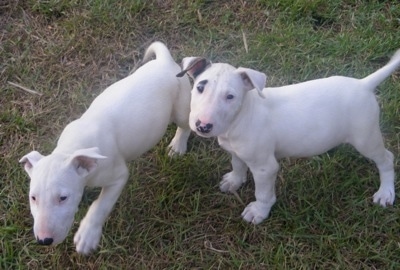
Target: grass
point(171, 214)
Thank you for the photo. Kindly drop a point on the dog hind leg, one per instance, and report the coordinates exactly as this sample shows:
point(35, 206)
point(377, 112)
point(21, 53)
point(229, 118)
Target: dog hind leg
point(178, 144)
point(180, 116)
point(373, 148)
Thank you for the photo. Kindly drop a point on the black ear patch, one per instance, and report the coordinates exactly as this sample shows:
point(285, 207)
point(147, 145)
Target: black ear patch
point(180, 74)
point(196, 67)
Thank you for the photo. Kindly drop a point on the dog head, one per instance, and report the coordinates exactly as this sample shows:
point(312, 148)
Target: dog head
point(217, 94)
point(56, 188)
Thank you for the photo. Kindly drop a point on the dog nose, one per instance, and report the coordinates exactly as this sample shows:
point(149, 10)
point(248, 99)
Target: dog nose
point(45, 242)
point(203, 128)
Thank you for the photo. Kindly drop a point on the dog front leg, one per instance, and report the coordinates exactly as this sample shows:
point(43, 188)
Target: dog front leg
point(88, 235)
point(234, 179)
point(264, 179)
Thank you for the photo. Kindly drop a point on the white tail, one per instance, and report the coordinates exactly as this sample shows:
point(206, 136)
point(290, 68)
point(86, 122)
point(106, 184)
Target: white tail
point(159, 50)
point(376, 78)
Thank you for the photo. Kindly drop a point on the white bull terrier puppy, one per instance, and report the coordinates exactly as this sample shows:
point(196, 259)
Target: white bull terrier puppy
point(259, 127)
point(126, 120)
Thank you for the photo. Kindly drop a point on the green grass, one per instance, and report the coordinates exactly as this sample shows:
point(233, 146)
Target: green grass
point(171, 214)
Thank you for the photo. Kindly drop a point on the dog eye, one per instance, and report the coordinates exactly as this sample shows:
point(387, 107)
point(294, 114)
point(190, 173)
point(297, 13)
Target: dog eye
point(33, 198)
point(200, 88)
point(230, 96)
point(63, 198)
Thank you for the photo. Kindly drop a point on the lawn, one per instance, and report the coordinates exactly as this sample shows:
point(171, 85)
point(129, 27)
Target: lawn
point(171, 214)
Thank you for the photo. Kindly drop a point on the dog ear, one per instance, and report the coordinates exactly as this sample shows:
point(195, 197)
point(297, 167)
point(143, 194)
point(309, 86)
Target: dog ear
point(193, 66)
point(253, 79)
point(85, 160)
point(30, 160)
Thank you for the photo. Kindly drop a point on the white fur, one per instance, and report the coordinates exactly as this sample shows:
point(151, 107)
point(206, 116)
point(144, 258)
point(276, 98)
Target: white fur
point(297, 120)
point(122, 123)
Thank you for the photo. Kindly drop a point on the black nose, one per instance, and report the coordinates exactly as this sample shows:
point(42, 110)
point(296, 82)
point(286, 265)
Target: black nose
point(203, 128)
point(45, 242)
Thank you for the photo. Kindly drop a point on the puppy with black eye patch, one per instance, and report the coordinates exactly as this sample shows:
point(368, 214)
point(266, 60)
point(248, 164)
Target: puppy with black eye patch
point(258, 127)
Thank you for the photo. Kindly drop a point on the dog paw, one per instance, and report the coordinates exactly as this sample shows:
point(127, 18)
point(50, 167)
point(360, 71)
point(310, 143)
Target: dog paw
point(178, 144)
point(87, 238)
point(231, 182)
point(256, 212)
point(176, 148)
point(384, 196)
point(173, 152)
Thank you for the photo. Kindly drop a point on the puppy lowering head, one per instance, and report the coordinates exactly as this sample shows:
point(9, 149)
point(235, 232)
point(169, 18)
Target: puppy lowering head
point(127, 119)
point(56, 187)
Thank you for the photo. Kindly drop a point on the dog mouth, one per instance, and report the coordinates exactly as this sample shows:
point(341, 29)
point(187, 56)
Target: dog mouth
point(204, 135)
point(208, 134)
